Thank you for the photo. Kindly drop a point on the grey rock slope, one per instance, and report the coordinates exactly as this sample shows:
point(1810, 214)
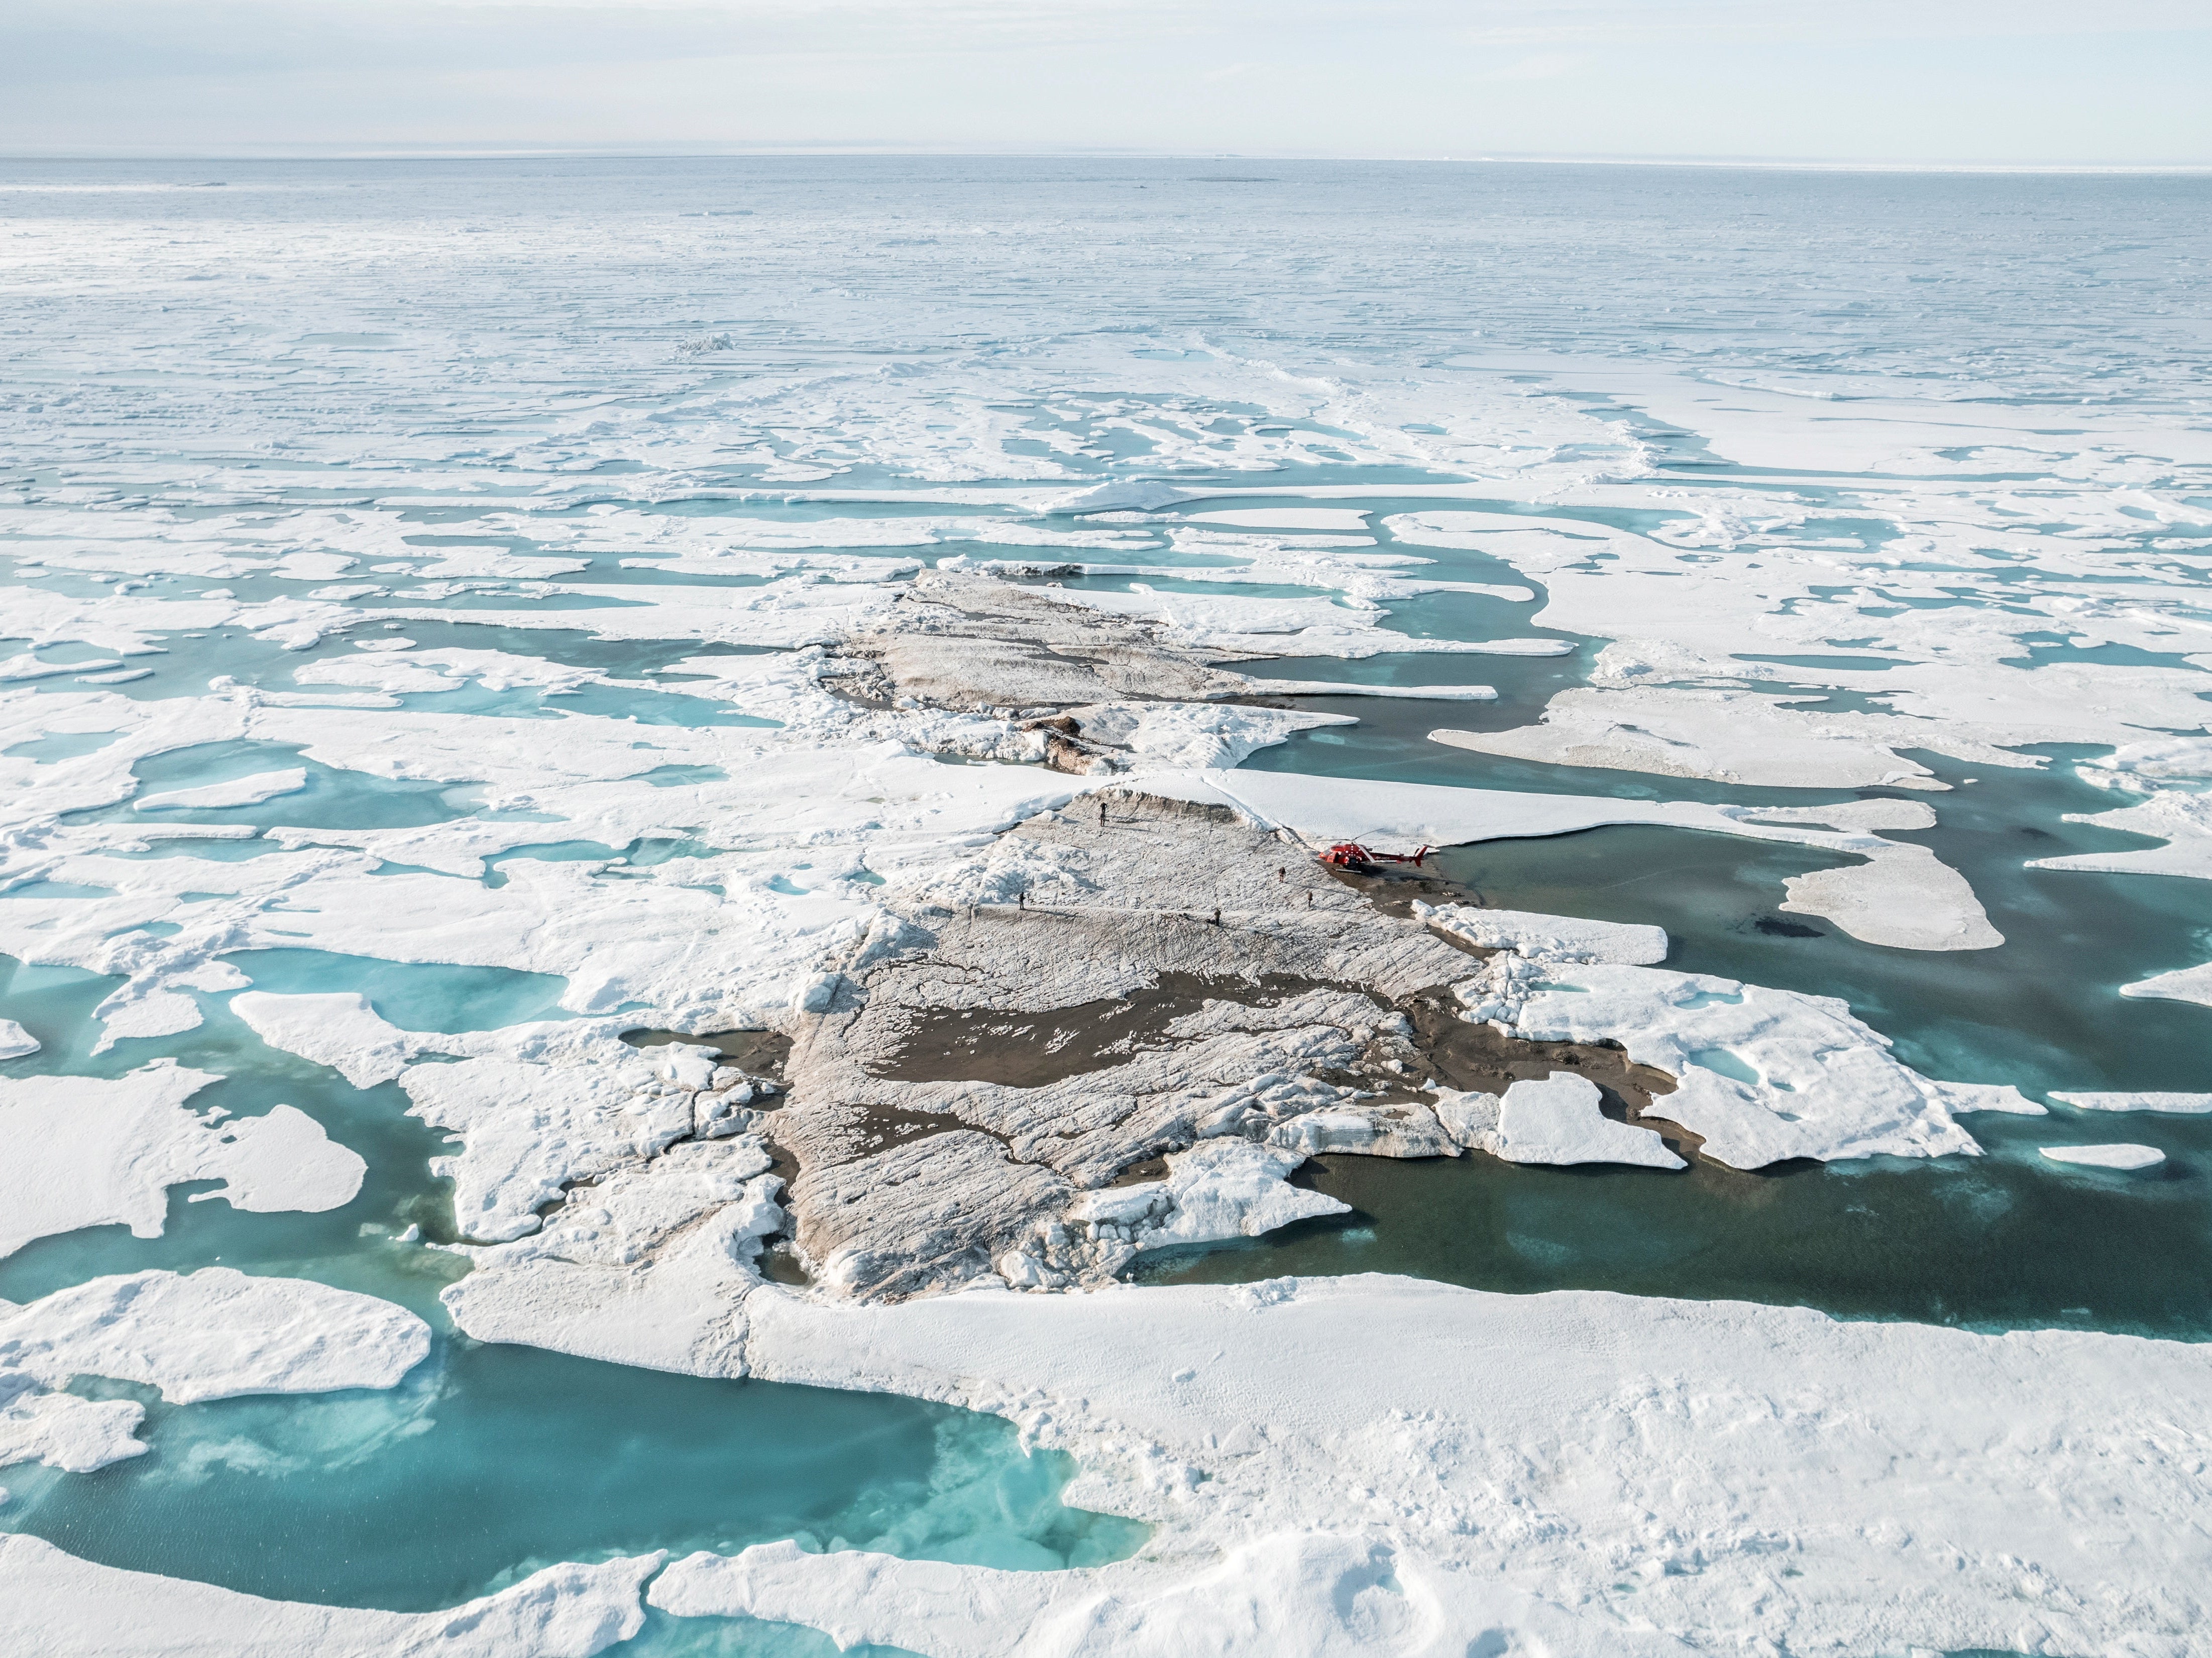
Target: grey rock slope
point(950, 1108)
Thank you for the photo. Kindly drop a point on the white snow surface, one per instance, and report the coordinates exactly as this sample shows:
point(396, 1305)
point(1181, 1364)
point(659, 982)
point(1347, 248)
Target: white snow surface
point(1551, 1119)
point(215, 1333)
point(1219, 1188)
point(238, 792)
point(2120, 1155)
point(61, 1606)
point(87, 1151)
point(16, 1043)
point(536, 1106)
point(1762, 1075)
point(1549, 937)
point(2188, 984)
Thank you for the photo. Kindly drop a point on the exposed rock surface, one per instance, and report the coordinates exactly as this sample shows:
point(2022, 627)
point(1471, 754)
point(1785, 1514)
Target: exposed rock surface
point(1128, 988)
point(975, 642)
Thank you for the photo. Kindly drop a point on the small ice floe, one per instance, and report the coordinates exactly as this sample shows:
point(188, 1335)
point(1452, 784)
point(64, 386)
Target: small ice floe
point(95, 1151)
point(2121, 1156)
point(16, 1043)
point(216, 1333)
point(235, 792)
point(2190, 1104)
point(1554, 1120)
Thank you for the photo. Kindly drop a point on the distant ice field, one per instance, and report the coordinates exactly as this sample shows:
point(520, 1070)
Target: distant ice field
point(416, 580)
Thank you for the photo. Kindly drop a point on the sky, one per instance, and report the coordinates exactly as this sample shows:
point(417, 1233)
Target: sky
point(1980, 81)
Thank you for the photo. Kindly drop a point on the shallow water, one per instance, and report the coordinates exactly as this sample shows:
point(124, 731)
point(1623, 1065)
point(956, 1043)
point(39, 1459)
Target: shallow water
point(518, 1458)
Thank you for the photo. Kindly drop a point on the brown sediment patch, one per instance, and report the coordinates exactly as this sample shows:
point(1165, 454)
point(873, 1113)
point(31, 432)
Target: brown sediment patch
point(1393, 891)
point(1481, 1058)
point(978, 1084)
point(1031, 1050)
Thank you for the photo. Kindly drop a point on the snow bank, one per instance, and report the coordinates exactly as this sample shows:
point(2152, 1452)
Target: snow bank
point(87, 1151)
point(61, 1606)
point(1219, 1188)
point(1317, 1594)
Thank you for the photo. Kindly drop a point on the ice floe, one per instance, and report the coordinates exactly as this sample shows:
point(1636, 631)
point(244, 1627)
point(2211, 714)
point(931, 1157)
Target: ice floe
point(92, 1152)
point(1901, 895)
point(2118, 1156)
point(2183, 1104)
point(1760, 1075)
point(1556, 1119)
point(215, 1333)
point(239, 792)
point(2188, 984)
point(1219, 1188)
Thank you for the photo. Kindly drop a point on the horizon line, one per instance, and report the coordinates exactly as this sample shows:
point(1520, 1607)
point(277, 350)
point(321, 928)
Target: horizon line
point(655, 150)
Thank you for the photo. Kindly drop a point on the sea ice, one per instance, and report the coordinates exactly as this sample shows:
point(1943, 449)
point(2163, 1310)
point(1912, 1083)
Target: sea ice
point(214, 1334)
point(61, 1606)
point(1548, 937)
point(2188, 984)
point(1762, 1075)
point(16, 1043)
point(2190, 1104)
point(1219, 1188)
point(1434, 1460)
point(2121, 1156)
point(1729, 736)
point(1554, 1120)
point(91, 1151)
point(1902, 895)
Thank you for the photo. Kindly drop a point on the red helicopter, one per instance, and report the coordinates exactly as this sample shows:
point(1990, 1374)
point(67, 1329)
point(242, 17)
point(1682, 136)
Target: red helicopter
point(1350, 855)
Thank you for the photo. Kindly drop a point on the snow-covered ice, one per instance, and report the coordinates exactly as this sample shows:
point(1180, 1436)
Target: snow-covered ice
point(1762, 1075)
point(215, 1333)
point(1576, 1472)
point(64, 1607)
point(1556, 1119)
point(1549, 937)
point(2184, 1104)
point(238, 792)
point(84, 1151)
point(2121, 1155)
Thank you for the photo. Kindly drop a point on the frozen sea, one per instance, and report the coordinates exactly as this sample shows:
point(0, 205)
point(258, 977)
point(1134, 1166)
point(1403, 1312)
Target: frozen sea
point(369, 506)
